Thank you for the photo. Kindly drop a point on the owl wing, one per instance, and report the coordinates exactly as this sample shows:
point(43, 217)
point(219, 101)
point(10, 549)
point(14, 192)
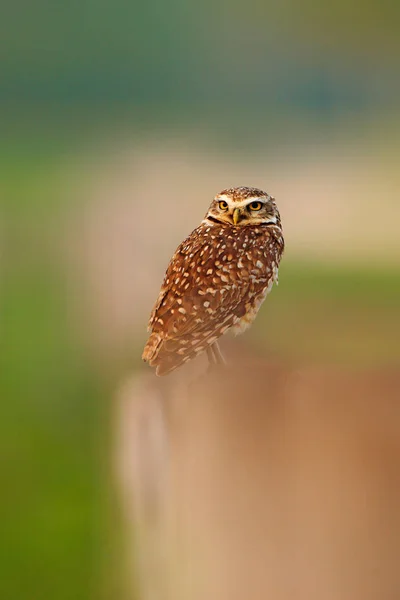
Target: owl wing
point(202, 296)
point(188, 338)
point(179, 261)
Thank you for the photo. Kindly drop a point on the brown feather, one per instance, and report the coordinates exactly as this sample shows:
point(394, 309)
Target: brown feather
point(215, 281)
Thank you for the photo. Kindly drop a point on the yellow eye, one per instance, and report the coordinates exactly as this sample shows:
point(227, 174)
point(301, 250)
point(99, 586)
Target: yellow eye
point(223, 205)
point(255, 205)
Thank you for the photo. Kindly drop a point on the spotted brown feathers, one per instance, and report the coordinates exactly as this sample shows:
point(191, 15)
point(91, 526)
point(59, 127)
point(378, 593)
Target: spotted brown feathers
point(216, 280)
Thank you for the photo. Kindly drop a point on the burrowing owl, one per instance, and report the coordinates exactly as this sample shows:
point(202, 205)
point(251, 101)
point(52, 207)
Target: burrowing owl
point(217, 279)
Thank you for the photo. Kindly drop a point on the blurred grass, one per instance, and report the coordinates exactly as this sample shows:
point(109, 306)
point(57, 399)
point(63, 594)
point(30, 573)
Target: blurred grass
point(60, 532)
point(56, 499)
point(342, 314)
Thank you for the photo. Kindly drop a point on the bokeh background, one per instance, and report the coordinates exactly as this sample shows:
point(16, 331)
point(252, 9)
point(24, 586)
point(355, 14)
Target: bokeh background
point(120, 122)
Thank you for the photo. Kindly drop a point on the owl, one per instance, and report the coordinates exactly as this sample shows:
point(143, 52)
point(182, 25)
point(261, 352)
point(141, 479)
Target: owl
point(217, 279)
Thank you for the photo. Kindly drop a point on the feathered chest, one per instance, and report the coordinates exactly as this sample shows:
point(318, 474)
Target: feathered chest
point(221, 255)
point(218, 272)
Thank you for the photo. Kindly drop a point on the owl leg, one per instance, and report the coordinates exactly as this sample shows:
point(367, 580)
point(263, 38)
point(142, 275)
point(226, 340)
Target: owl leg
point(219, 358)
point(211, 357)
point(215, 357)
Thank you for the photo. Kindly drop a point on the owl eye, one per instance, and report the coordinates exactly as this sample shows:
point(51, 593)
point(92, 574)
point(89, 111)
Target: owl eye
point(255, 205)
point(223, 205)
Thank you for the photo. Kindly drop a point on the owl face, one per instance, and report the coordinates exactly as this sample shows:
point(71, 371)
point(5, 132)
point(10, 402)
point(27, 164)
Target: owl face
point(243, 206)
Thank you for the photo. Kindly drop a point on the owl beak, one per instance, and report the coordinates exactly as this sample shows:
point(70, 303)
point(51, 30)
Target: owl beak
point(236, 216)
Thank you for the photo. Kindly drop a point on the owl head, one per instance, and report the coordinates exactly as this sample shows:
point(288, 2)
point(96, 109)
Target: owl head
point(243, 206)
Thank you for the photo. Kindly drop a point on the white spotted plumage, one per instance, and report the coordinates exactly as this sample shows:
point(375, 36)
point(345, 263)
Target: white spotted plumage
point(217, 279)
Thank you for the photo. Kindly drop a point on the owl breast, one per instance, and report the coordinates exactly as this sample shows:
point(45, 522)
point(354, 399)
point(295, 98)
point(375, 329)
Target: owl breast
point(215, 282)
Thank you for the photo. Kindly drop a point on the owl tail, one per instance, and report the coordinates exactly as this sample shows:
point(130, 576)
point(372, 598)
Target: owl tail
point(165, 359)
point(152, 347)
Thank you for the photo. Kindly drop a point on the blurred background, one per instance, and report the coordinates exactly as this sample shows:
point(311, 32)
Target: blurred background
point(119, 123)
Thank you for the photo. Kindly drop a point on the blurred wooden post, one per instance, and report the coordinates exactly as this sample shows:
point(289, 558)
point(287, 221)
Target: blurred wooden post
point(263, 482)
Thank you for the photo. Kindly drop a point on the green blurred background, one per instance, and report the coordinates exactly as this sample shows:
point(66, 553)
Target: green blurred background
point(120, 121)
